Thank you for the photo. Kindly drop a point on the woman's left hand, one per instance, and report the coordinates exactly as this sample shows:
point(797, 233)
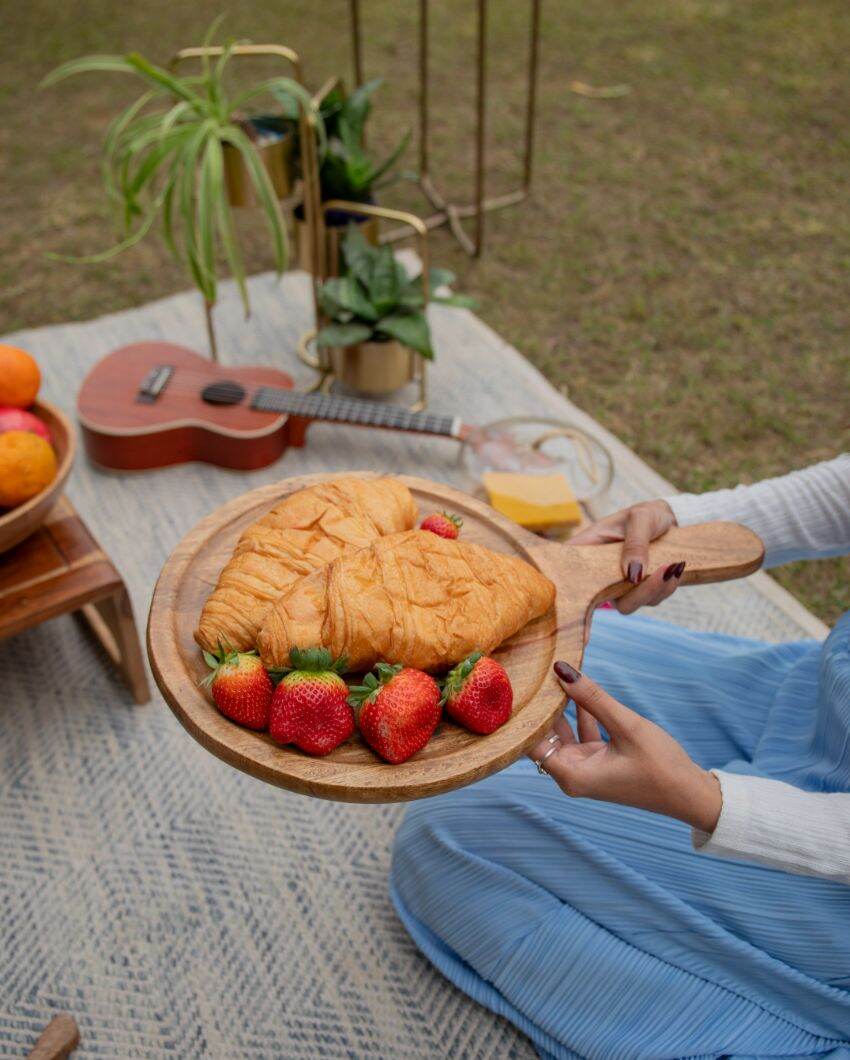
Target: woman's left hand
point(641, 765)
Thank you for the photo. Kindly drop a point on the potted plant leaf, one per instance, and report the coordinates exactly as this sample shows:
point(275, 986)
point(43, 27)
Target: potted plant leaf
point(375, 317)
point(164, 161)
point(347, 170)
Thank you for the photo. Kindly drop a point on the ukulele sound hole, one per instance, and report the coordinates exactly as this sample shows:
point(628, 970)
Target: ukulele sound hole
point(225, 392)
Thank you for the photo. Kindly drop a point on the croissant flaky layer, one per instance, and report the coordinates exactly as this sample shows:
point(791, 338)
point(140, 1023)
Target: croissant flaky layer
point(301, 534)
point(412, 598)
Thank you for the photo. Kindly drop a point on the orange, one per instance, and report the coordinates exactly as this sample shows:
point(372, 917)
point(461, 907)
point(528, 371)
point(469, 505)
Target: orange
point(20, 377)
point(27, 466)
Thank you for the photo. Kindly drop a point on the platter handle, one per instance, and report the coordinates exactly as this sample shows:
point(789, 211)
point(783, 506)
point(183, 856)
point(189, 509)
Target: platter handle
point(586, 575)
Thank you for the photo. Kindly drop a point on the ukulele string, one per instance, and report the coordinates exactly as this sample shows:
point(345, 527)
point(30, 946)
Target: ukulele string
point(327, 407)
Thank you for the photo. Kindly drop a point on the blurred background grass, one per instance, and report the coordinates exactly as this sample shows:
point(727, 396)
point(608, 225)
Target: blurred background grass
point(683, 270)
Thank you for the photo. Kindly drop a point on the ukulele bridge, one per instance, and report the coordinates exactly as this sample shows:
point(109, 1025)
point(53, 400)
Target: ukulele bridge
point(154, 383)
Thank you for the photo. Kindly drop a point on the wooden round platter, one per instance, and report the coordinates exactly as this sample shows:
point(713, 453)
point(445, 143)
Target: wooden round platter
point(583, 576)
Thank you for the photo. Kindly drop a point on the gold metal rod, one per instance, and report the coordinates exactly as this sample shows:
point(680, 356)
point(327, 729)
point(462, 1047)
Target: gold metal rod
point(481, 115)
point(436, 220)
point(435, 197)
point(328, 86)
point(214, 50)
point(367, 209)
point(458, 231)
point(313, 214)
point(531, 107)
point(423, 88)
point(495, 202)
point(357, 42)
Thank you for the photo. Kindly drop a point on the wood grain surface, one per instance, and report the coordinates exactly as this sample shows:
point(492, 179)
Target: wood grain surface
point(60, 568)
point(58, 1039)
point(126, 434)
point(583, 576)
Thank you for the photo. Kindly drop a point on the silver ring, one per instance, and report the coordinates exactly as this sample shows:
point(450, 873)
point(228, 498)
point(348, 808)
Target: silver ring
point(545, 772)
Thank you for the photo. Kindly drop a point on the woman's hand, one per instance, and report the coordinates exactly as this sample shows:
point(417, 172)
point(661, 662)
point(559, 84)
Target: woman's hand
point(640, 766)
point(636, 527)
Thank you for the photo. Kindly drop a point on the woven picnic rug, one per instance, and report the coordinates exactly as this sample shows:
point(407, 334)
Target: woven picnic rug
point(175, 906)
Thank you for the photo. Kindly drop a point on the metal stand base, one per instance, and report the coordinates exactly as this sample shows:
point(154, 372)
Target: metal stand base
point(448, 213)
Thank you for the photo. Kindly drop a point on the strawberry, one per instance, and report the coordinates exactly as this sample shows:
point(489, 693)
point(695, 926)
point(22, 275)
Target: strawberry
point(442, 524)
point(477, 694)
point(310, 705)
point(240, 686)
point(398, 710)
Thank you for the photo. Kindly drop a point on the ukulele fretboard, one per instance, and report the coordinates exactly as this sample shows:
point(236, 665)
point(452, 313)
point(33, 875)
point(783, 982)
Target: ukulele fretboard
point(352, 410)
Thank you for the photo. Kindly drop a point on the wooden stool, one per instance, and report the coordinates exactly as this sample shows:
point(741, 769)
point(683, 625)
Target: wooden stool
point(61, 568)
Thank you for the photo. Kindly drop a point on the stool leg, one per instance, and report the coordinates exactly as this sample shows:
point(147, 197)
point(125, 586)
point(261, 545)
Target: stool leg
point(112, 622)
point(58, 1039)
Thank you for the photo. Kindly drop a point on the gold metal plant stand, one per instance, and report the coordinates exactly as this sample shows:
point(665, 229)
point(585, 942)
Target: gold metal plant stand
point(324, 255)
point(326, 244)
point(311, 194)
point(448, 212)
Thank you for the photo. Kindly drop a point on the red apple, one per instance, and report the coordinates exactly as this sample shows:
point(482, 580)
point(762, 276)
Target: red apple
point(12, 419)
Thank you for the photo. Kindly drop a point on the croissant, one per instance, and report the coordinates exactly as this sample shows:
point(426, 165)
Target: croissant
point(298, 536)
point(412, 598)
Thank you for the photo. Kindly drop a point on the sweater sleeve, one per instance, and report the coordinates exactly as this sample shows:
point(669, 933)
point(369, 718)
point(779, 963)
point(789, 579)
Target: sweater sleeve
point(803, 515)
point(780, 826)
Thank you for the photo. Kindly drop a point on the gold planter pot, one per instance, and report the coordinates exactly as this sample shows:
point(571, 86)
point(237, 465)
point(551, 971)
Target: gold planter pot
point(277, 159)
point(333, 235)
point(373, 368)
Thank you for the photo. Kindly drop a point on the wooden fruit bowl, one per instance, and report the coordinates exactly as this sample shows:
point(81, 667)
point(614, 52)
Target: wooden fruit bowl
point(353, 773)
point(20, 522)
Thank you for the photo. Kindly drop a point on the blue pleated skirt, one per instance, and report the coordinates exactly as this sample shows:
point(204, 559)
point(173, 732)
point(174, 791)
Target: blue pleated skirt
point(597, 929)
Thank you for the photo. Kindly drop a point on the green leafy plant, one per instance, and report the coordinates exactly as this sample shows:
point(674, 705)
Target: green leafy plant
point(376, 300)
point(347, 171)
point(164, 159)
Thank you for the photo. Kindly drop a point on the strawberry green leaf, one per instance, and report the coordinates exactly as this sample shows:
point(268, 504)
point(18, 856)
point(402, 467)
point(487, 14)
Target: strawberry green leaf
point(372, 684)
point(456, 678)
point(315, 660)
point(277, 673)
point(359, 695)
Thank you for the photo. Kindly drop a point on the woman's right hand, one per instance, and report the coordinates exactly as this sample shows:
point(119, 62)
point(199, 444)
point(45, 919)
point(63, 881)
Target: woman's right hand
point(638, 765)
point(636, 527)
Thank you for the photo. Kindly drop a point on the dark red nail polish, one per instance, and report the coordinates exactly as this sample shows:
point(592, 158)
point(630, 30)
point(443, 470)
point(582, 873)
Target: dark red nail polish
point(635, 572)
point(670, 572)
point(680, 569)
point(567, 673)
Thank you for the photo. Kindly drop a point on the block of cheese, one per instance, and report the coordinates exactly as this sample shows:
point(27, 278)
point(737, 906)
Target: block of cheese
point(537, 502)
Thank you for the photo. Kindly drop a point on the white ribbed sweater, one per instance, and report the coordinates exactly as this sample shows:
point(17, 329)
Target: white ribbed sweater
point(804, 515)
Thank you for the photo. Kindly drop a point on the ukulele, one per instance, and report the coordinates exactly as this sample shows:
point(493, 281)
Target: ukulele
point(154, 404)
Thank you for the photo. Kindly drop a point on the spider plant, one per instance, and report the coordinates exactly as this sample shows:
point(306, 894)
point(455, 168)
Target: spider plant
point(347, 169)
point(163, 160)
point(376, 300)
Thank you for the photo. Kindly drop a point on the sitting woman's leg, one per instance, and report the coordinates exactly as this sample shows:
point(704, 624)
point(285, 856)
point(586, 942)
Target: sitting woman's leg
point(596, 928)
point(600, 932)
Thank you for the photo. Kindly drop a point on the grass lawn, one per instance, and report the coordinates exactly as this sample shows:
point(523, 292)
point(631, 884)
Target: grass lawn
point(683, 270)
